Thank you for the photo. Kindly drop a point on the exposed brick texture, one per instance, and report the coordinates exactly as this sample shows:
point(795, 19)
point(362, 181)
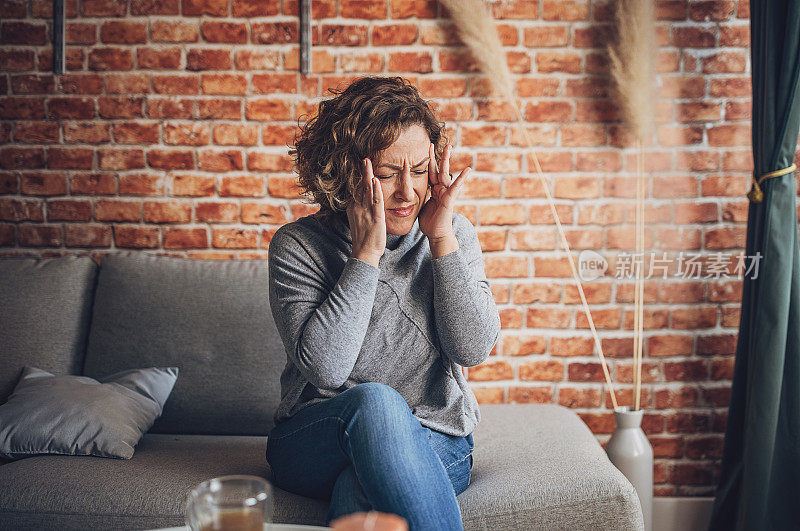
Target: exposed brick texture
point(168, 134)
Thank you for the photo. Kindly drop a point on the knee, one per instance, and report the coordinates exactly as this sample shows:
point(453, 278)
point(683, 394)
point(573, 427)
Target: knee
point(379, 403)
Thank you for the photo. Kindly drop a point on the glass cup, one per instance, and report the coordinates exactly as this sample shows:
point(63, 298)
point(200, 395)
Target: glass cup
point(227, 503)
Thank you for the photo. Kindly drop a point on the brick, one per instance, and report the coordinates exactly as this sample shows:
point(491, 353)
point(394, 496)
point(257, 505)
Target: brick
point(200, 59)
point(269, 162)
point(16, 60)
point(155, 7)
point(257, 60)
point(319, 9)
point(275, 33)
point(571, 346)
point(363, 9)
point(123, 32)
point(235, 134)
point(439, 34)
point(14, 9)
point(730, 135)
point(192, 185)
point(158, 59)
point(362, 62)
point(217, 212)
point(215, 8)
point(9, 183)
point(36, 132)
point(103, 8)
point(173, 84)
point(140, 184)
point(394, 34)
point(242, 186)
point(491, 371)
point(220, 109)
point(17, 157)
point(342, 35)
point(725, 62)
point(173, 31)
point(110, 59)
point(281, 186)
point(70, 158)
point(699, 112)
point(120, 159)
point(23, 33)
point(127, 84)
point(223, 84)
point(40, 236)
point(263, 213)
point(136, 237)
point(274, 83)
point(515, 9)
point(136, 133)
point(86, 132)
point(256, 8)
point(12, 209)
point(68, 210)
point(7, 235)
point(548, 111)
point(75, 108)
point(187, 134)
point(111, 210)
point(235, 238)
point(526, 345)
point(93, 184)
point(220, 161)
point(164, 159)
point(25, 108)
point(564, 10)
point(421, 62)
point(180, 238)
point(120, 107)
point(673, 345)
point(41, 183)
point(268, 109)
point(167, 212)
point(693, 37)
point(488, 395)
point(548, 62)
point(734, 36)
point(228, 32)
point(683, 87)
point(32, 84)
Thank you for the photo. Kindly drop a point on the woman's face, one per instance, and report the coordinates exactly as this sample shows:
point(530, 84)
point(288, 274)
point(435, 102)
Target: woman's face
point(402, 170)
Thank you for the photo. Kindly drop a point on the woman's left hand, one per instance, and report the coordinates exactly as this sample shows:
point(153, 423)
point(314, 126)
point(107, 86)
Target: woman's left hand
point(436, 215)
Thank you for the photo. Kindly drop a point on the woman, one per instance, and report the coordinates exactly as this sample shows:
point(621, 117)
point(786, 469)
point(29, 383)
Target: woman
point(379, 298)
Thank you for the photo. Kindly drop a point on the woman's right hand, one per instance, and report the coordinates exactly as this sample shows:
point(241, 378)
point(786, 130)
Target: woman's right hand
point(367, 217)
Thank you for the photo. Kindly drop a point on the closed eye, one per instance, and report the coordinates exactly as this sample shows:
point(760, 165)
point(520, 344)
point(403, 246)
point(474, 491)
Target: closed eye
point(415, 172)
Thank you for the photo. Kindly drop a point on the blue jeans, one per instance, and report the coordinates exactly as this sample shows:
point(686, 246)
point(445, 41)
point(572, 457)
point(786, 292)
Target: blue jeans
point(364, 450)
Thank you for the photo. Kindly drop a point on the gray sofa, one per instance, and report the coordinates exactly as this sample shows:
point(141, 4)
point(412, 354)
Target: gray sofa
point(535, 466)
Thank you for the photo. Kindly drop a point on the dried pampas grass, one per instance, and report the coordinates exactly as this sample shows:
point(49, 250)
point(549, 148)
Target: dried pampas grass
point(632, 56)
point(476, 28)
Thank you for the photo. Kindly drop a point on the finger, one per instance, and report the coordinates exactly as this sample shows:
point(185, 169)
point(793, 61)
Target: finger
point(433, 171)
point(378, 205)
point(364, 186)
point(455, 189)
point(444, 176)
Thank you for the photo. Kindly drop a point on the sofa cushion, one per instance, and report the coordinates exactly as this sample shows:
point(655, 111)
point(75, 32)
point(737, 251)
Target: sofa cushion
point(209, 318)
point(78, 415)
point(45, 312)
point(536, 466)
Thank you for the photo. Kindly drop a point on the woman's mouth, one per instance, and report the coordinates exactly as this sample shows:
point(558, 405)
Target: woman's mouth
point(402, 212)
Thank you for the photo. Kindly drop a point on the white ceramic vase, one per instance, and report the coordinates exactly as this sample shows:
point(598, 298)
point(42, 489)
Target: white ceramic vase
point(632, 454)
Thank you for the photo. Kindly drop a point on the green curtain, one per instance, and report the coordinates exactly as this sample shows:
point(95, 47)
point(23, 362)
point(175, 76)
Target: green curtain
point(759, 486)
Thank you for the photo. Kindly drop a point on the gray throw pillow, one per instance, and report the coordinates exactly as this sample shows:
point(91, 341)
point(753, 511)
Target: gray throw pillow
point(78, 415)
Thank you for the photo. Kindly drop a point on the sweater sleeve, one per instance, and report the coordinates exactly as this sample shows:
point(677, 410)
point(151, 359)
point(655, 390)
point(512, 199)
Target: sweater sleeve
point(466, 316)
point(322, 329)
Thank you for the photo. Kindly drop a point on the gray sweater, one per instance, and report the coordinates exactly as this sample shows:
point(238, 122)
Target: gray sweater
point(410, 323)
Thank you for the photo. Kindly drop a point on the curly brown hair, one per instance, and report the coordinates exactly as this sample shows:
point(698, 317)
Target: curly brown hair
point(360, 121)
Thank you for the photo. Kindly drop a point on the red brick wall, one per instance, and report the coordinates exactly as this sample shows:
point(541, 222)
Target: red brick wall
point(168, 135)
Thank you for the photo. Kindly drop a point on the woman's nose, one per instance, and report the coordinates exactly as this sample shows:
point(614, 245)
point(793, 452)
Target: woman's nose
point(405, 188)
